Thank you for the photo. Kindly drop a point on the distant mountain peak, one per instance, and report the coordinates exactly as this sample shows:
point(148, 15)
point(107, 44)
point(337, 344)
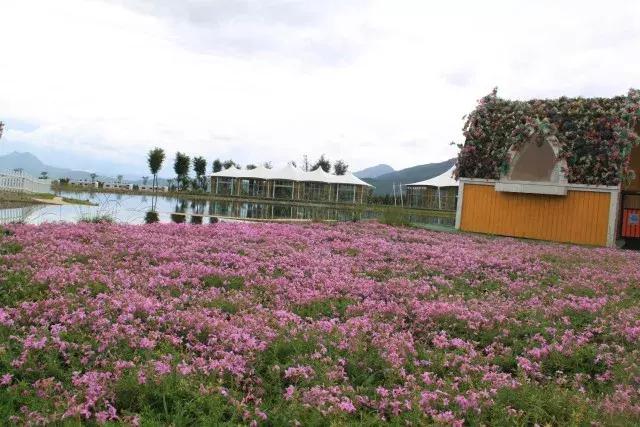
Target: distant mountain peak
point(384, 183)
point(374, 171)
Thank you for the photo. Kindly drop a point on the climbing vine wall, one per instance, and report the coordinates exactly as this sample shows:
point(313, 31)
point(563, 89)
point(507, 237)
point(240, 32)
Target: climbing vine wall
point(595, 135)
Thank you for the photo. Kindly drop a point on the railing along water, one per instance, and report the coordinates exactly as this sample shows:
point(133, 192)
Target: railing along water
point(21, 182)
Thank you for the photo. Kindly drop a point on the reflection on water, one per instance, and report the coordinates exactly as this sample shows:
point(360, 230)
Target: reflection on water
point(141, 209)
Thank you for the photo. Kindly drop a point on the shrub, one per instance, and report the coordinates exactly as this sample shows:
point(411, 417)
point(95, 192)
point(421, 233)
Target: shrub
point(395, 216)
point(97, 219)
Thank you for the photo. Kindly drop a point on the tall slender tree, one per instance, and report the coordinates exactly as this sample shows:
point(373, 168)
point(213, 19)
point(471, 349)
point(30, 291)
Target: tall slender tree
point(181, 166)
point(200, 168)
point(155, 159)
point(340, 167)
point(1, 129)
point(306, 166)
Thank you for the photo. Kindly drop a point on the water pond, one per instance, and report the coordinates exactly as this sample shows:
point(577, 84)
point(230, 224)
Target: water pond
point(140, 209)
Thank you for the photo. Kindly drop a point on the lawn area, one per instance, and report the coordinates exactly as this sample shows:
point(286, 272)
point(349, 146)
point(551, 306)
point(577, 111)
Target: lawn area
point(316, 324)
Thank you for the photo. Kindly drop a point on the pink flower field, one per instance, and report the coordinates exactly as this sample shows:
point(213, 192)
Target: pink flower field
point(275, 324)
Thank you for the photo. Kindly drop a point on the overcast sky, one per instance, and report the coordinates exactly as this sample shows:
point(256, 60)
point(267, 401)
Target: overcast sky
point(94, 84)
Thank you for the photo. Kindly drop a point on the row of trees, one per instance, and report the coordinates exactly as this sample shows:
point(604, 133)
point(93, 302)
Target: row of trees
point(182, 164)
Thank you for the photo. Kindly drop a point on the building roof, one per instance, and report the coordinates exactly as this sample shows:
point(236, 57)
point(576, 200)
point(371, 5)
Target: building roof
point(593, 135)
point(444, 180)
point(291, 173)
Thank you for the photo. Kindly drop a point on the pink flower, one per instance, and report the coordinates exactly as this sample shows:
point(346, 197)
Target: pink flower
point(162, 368)
point(289, 391)
point(6, 379)
point(142, 378)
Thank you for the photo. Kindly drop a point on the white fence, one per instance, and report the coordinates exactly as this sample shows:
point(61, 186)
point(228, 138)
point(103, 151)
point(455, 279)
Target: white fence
point(21, 182)
point(10, 215)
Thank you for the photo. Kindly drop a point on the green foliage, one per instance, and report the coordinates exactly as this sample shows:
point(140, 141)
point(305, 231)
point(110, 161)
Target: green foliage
point(331, 307)
point(98, 219)
point(282, 352)
point(200, 168)
point(366, 368)
point(225, 282)
point(322, 163)
point(537, 405)
point(223, 305)
point(395, 216)
point(340, 167)
point(155, 159)
point(151, 217)
point(582, 360)
point(17, 288)
point(10, 248)
point(173, 401)
point(181, 165)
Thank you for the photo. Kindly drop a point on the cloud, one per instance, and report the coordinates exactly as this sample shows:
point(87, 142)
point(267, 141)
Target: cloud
point(368, 81)
point(324, 32)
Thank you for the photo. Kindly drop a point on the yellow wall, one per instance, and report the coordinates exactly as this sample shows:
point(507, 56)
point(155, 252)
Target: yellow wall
point(579, 217)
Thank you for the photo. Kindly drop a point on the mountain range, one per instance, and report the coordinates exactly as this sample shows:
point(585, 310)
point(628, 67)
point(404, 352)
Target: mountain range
point(33, 166)
point(384, 183)
point(374, 171)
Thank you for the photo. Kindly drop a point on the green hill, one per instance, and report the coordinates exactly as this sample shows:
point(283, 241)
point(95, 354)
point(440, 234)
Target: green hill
point(384, 183)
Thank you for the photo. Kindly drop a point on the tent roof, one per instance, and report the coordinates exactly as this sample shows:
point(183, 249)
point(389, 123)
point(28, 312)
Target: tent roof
point(444, 180)
point(291, 173)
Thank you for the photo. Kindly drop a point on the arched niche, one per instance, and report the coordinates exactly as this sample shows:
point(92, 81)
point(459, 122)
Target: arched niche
point(634, 163)
point(536, 161)
point(535, 167)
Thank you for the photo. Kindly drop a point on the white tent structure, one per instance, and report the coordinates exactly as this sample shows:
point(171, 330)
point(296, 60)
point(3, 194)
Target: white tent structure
point(289, 182)
point(417, 191)
point(444, 180)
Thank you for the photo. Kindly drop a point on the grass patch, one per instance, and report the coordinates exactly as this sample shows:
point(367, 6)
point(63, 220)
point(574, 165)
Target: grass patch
point(223, 305)
point(332, 307)
point(395, 216)
point(223, 282)
point(10, 248)
point(173, 401)
point(537, 405)
point(16, 288)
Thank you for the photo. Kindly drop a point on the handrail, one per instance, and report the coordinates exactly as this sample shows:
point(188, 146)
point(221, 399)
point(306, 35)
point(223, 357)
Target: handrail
point(23, 183)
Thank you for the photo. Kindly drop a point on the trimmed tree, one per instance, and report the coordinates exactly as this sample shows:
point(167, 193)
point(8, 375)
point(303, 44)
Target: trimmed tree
point(181, 166)
point(200, 168)
point(155, 160)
